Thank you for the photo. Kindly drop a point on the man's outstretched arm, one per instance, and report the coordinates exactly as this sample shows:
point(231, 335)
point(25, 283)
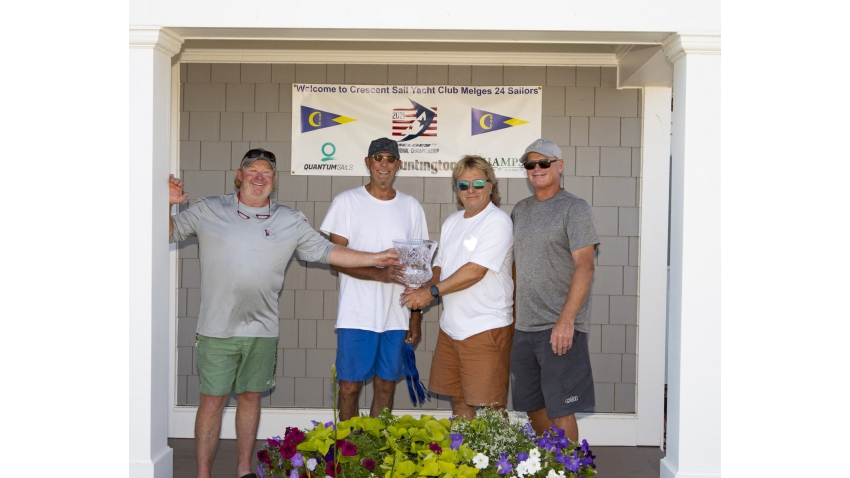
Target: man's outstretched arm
point(384, 274)
point(345, 257)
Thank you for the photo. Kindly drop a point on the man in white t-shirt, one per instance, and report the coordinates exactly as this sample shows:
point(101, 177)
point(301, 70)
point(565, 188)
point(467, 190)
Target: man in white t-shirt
point(371, 325)
point(472, 273)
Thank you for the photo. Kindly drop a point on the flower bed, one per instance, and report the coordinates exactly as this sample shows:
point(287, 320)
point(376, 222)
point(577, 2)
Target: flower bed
point(401, 447)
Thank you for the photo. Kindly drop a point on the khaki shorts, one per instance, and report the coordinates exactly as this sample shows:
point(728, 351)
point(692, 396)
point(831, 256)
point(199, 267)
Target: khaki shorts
point(476, 368)
point(241, 364)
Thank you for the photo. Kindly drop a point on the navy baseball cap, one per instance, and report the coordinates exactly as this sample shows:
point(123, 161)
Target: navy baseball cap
point(384, 145)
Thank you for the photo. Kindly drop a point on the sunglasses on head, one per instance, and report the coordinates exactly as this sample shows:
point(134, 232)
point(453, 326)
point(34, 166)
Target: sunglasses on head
point(544, 163)
point(256, 153)
point(476, 183)
point(378, 158)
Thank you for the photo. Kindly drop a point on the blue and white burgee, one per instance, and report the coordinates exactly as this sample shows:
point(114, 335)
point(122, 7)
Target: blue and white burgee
point(418, 392)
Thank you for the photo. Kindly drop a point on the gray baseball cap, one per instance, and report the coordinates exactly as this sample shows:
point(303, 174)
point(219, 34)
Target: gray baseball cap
point(542, 146)
point(258, 153)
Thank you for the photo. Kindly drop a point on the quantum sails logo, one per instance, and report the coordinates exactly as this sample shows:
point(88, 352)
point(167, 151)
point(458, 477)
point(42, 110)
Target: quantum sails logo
point(328, 150)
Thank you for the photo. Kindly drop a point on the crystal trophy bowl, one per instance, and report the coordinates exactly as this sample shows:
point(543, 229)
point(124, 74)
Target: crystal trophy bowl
point(415, 256)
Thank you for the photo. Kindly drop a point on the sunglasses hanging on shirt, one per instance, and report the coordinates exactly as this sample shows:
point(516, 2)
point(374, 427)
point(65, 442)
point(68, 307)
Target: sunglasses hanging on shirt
point(245, 216)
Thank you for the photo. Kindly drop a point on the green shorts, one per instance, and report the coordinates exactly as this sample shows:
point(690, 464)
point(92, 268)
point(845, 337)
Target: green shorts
point(241, 364)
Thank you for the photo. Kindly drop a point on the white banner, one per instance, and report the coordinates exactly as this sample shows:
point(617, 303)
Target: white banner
point(332, 126)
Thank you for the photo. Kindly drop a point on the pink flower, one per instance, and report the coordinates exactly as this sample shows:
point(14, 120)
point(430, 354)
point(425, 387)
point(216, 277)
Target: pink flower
point(369, 464)
point(287, 449)
point(348, 449)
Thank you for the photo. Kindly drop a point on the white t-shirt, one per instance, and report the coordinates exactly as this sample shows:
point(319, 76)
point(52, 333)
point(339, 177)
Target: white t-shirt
point(487, 240)
point(372, 225)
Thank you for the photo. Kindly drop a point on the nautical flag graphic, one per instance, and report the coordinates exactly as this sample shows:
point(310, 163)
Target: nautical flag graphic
point(313, 119)
point(414, 122)
point(486, 122)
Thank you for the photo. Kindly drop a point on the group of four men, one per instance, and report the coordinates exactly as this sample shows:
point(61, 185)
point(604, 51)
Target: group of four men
point(541, 257)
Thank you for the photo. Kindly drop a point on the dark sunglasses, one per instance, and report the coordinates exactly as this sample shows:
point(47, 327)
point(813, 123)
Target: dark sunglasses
point(477, 184)
point(378, 158)
point(256, 153)
point(544, 163)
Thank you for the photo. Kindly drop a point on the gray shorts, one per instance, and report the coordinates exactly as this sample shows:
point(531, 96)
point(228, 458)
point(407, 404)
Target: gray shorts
point(541, 379)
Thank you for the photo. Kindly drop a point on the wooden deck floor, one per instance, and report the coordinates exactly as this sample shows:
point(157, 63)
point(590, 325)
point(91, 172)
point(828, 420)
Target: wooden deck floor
point(611, 461)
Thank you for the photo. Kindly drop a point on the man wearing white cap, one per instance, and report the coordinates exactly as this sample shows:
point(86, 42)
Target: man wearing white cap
point(554, 248)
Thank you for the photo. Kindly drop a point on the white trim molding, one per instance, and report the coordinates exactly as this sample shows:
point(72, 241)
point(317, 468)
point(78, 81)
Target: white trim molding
point(600, 429)
point(677, 45)
point(160, 39)
point(207, 55)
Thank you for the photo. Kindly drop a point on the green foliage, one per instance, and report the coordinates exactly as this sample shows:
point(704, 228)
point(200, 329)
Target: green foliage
point(490, 446)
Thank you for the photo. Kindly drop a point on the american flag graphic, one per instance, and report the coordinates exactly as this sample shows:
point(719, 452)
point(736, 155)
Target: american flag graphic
point(410, 123)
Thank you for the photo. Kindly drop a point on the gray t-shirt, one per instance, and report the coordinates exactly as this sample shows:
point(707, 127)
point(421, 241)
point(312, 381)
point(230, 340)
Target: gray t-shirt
point(545, 235)
point(243, 262)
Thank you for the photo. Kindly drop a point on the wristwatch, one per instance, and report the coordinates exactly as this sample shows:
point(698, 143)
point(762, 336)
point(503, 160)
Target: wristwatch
point(435, 291)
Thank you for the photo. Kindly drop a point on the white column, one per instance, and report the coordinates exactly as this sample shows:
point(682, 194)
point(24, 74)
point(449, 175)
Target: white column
point(693, 393)
point(652, 293)
point(151, 50)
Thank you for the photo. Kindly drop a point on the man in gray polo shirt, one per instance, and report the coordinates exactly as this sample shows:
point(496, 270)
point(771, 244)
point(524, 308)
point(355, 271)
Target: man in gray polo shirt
point(554, 247)
point(246, 241)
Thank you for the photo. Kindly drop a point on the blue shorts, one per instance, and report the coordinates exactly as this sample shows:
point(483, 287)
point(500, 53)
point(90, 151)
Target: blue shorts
point(362, 354)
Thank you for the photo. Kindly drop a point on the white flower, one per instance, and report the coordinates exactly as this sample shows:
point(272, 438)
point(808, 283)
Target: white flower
point(522, 469)
point(534, 453)
point(561, 473)
point(552, 474)
point(481, 461)
point(533, 465)
point(311, 464)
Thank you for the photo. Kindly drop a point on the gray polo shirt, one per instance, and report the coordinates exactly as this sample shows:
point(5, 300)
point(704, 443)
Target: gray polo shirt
point(243, 262)
point(545, 235)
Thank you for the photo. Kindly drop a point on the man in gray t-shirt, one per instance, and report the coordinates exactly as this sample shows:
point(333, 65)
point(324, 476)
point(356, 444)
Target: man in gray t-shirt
point(245, 242)
point(554, 249)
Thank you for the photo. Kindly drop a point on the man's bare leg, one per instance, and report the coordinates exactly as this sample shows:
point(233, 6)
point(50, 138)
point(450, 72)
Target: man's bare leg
point(569, 425)
point(384, 391)
point(539, 421)
point(247, 421)
point(207, 431)
point(349, 393)
point(461, 410)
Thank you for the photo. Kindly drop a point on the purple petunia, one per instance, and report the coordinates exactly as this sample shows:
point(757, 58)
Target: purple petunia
point(503, 466)
point(260, 470)
point(369, 464)
point(521, 457)
point(529, 431)
point(297, 460)
point(457, 441)
point(573, 463)
point(545, 444)
point(330, 455)
point(560, 457)
point(293, 474)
